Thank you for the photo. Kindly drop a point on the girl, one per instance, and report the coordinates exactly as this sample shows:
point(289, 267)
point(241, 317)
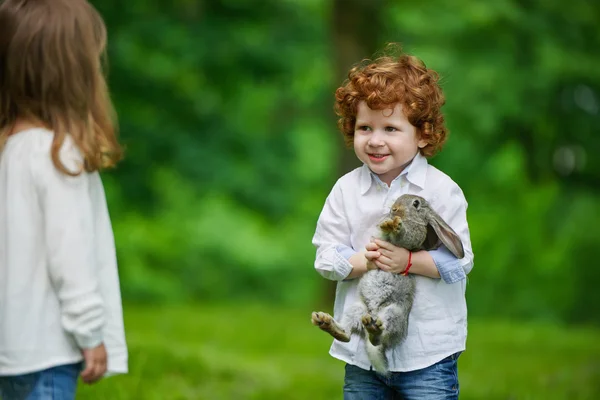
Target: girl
point(60, 303)
point(390, 114)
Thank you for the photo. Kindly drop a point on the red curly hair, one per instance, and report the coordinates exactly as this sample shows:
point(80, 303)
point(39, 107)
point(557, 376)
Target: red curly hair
point(388, 80)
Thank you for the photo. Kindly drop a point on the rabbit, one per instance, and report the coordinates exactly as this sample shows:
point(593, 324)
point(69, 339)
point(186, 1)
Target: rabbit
point(386, 298)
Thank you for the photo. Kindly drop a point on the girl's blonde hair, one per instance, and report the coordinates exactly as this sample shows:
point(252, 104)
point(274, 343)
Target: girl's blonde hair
point(51, 71)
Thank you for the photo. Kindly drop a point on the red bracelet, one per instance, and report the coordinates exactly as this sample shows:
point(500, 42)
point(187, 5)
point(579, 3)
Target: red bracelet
point(405, 272)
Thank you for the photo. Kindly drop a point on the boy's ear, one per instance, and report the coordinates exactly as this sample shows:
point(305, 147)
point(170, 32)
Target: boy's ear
point(421, 142)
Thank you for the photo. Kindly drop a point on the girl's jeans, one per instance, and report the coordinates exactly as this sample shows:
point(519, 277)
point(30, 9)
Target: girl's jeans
point(56, 383)
point(437, 382)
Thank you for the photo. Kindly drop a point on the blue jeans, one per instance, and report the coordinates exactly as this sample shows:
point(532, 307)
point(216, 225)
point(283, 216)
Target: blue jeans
point(436, 382)
point(56, 383)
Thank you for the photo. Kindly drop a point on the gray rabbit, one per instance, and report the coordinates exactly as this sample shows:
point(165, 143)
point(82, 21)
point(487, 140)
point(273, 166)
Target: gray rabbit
point(386, 298)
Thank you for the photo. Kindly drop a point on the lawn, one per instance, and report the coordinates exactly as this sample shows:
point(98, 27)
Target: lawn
point(260, 352)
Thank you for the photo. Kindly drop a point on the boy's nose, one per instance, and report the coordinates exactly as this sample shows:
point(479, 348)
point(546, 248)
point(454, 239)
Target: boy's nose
point(376, 139)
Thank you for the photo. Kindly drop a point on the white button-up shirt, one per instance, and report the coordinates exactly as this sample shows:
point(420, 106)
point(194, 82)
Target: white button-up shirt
point(437, 324)
point(59, 286)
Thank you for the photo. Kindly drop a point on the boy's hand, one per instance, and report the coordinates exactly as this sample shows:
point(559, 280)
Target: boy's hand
point(95, 364)
point(371, 265)
point(371, 255)
point(392, 259)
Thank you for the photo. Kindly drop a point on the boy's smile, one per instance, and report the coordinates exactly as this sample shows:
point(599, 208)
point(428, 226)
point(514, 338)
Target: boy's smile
point(385, 140)
point(378, 157)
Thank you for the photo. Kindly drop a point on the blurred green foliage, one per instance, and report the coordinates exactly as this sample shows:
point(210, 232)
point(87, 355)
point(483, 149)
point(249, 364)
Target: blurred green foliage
point(226, 110)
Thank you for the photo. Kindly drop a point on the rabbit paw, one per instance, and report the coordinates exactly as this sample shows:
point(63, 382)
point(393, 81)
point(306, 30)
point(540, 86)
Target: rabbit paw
point(391, 225)
point(374, 327)
point(326, 323)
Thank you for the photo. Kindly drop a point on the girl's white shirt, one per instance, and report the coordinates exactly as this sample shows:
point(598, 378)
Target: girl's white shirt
point(59, 284)
point(437, 326)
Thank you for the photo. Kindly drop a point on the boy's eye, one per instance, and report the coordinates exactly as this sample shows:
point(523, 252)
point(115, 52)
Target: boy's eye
point(390, 129)
point(364, 128)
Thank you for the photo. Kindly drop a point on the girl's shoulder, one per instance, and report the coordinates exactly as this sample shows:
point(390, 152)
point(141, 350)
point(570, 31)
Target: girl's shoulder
point(27, 146)
point(35, 144)
point(33, 138)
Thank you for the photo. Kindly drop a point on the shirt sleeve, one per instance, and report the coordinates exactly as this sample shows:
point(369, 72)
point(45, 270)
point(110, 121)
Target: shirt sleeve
point(345, 251)
point(448, 265)
point(108, 273)
point(332, 238)
point(69, 225)
point(454, 212)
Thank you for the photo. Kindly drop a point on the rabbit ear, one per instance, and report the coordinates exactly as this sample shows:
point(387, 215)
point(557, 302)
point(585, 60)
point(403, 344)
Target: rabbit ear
point(432, 241)
point(438, 230)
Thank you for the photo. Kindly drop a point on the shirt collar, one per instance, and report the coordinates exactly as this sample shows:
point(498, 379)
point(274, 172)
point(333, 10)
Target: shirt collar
point(415, 172)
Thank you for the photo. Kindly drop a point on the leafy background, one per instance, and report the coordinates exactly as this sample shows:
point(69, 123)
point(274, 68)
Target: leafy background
point(226, 111)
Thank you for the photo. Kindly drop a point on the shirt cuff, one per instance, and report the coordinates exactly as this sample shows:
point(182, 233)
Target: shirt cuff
point(345, 251)
point(342, 265)
point(448, 265)
point(94, 339)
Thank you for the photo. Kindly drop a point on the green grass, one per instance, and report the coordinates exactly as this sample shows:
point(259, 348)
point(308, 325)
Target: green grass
point(260, 352)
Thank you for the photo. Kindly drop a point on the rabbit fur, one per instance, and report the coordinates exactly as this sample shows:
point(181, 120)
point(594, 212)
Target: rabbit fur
point(386, 298)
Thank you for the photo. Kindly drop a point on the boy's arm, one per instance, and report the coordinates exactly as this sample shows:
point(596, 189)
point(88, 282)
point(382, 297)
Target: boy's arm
point(434, 263)
point(395, 259)
point(453, 210)
point(336, 260)
point(423, 264)
point(359, 260)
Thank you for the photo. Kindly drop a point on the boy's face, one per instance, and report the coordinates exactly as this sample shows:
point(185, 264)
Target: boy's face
point(385, 140)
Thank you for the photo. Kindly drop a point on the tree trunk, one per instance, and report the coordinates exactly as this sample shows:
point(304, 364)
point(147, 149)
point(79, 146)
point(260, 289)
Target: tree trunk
point(355, 28)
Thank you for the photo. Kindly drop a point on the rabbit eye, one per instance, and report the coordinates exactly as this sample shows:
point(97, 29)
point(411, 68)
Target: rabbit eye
point(416, 204)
